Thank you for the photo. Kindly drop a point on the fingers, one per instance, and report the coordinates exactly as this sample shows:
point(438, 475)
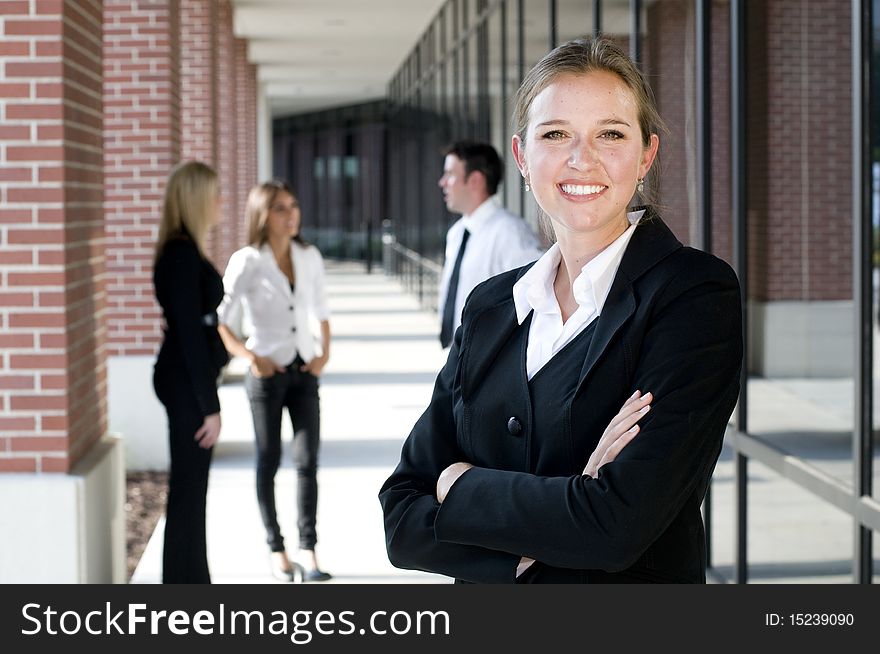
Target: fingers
point(633, 410)
point(618, 445)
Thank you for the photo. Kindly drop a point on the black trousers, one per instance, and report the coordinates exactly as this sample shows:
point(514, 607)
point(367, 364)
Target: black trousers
point(184, 557)
point(269, 396)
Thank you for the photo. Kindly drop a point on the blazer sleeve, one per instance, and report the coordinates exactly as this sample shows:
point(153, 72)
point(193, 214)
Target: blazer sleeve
point(690, 359)
point(410, 505)
point(182, 311)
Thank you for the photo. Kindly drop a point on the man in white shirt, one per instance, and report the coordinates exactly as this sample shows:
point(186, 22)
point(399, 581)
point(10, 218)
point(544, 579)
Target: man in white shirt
point(494, 239)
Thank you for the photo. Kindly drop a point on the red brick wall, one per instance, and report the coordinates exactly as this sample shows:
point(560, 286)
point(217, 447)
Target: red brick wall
point(141, 144)
point(669, 53)
point(198, 25)
point(801, 179)
point(52, 356)
point(227, 235)
point(245, 137)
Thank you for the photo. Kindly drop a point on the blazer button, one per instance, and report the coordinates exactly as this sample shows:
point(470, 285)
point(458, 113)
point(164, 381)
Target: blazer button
point(293, 329)
point(514, 426)
point(290, 308)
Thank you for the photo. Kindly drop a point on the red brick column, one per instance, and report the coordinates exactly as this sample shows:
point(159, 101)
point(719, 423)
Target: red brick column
point(198, 70)
point(52, 357)
point(141, 144)
point(245, 132)
point(197, 110)
point(227, 235)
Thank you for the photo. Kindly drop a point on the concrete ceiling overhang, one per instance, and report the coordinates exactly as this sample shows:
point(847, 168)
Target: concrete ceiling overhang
point(317, 54)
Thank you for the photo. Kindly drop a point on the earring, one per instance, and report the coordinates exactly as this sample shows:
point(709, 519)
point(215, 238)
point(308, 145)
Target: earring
point(640, 187)
point(528, 187)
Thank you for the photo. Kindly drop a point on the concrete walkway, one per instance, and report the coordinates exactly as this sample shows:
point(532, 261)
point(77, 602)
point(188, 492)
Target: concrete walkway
point(384, 357)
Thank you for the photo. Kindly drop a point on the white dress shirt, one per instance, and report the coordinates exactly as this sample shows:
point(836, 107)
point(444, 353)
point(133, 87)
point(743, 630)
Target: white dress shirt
point(499, 241)
point(283, 322)
point(534, 292)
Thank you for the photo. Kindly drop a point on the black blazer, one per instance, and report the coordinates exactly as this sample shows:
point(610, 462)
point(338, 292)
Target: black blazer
point(189, 288)
point(671, 325)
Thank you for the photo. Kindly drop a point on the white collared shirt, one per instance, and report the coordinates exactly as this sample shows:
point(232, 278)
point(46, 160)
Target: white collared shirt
point(534, 292)
point(282, 322)
point(499, 241)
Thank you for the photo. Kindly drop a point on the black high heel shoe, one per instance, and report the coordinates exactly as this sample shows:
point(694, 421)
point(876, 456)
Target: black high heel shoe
point(316, 575)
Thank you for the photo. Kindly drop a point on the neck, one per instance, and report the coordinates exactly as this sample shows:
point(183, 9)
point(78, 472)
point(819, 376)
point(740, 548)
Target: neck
point(280, 246)
point(578, 249)
point(476, 205)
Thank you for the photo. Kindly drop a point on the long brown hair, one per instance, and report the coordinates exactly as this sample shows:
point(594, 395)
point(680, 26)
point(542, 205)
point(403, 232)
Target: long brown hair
point(256, 212)
point(190, 196)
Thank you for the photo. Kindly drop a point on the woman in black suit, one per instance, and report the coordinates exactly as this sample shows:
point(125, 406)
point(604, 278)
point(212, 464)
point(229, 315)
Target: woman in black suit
point(188, 288)
point(490, 486)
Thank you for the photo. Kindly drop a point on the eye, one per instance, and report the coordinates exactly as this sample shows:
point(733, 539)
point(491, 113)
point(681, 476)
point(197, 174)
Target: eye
point(611, 135)
point(553, 135)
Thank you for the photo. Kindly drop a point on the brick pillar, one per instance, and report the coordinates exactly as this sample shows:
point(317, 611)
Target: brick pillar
point(228, 235)
point(52, 387)
point(197, 87)
point(64, 527)
point(245, 132)
point(142, 142)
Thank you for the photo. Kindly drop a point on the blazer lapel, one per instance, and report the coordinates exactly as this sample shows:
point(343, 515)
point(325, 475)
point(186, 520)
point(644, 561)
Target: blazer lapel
point(651, 242)
point(491, 329)
point(275, 277)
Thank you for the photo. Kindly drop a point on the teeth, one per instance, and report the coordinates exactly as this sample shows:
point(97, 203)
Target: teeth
point(578, 189)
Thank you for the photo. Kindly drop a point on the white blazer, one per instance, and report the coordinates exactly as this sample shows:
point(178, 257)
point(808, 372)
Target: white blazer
point(283, 323)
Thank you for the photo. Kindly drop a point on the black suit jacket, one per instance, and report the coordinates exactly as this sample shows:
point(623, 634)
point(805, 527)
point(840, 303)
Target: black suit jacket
point(189, 288)
point(671, 325)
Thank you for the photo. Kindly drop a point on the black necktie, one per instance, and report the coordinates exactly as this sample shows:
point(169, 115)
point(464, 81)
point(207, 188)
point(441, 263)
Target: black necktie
point(451, 293)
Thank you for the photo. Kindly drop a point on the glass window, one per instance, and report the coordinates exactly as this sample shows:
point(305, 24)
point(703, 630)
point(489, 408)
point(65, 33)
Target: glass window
point(667, 62)
point(616, 21)
point(512, 187)
point(574, 19)
point(536, 24)
point(792, 537)
point(801, 329)
point(495, 72)
point(723, 524)
point(875, 268)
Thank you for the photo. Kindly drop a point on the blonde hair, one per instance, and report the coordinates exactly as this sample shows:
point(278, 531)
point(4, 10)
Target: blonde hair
point(190, 194)
point(256, 212)
point(588, 55)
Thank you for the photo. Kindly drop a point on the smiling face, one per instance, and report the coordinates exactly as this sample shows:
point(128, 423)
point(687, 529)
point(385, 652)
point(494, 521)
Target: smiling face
point(284, 217)
point(584, 154)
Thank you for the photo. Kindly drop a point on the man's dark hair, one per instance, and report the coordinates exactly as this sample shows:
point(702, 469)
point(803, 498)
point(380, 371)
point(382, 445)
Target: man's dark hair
point(480, 157)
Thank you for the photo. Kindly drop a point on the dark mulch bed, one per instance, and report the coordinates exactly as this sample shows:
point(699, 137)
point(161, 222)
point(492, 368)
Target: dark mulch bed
point(145, 496)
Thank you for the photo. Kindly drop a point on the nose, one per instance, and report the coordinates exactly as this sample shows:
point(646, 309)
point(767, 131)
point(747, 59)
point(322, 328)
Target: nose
point(442, 181)
point(581, 155)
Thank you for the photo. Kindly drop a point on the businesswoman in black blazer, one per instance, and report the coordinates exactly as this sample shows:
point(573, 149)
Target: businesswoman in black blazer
point(491, 485)
point(188, 289)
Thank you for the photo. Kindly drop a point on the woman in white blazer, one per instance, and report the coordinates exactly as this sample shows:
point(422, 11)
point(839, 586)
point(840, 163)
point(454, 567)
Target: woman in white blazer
point(279, 280)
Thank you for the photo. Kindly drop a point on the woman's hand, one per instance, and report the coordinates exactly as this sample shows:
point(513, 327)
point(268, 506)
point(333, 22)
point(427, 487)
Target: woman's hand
point(209, 432)
point(619, 433)
point(264, 367)
point(448, 477)
point(316, 365)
